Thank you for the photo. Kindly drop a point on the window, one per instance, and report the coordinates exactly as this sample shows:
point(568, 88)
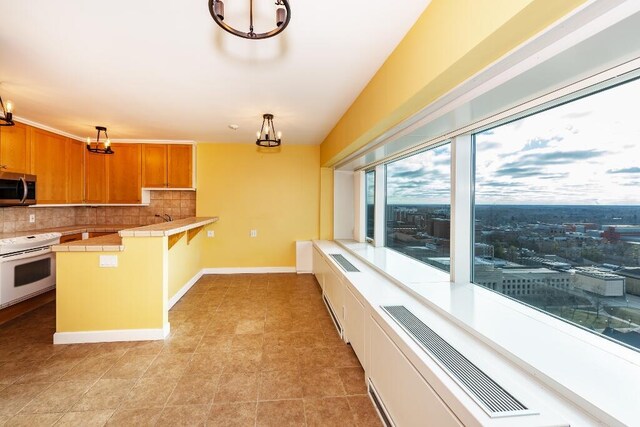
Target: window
point(557, 203)
point(418, 206)
point(370, 195)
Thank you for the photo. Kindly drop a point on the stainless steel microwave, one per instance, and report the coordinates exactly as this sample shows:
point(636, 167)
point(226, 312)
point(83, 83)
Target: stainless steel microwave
point(17, 189)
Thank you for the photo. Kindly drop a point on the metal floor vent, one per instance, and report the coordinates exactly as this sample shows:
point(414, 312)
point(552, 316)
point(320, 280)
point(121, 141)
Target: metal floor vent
point(495, 400)
point(346, 265)
point(333, 316)
point(381, 409)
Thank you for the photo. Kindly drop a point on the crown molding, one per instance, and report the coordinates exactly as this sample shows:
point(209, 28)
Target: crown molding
point(120, 140)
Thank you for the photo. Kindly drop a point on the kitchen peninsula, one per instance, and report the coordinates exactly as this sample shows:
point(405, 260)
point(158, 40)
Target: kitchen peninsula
point(120, 287)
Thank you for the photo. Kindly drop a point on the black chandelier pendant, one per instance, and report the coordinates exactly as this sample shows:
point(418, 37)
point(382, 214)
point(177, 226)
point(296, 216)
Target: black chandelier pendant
point(100, 147)
point(283, 16)
point(6, 119)
point(267, 135)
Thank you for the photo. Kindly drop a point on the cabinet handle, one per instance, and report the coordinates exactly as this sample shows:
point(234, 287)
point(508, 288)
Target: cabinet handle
point(3, 166)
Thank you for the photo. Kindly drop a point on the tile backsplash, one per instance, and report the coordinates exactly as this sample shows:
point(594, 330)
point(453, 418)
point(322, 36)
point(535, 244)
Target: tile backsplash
point(178, 204)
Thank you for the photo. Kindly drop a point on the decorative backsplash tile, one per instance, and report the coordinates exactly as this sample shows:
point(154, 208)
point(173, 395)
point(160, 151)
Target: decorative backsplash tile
point(178, 204)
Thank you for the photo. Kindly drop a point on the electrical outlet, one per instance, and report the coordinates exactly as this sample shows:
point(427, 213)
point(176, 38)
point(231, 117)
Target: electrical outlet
point(254, 233)
point(109, 261)
point(211, 233)
point(32, 218)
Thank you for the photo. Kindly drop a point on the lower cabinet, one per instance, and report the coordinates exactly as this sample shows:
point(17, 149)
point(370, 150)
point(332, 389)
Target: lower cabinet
point(406, 396)
point(354, 324)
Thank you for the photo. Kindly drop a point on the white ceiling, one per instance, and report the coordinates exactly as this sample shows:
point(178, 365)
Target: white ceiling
point(162, 69)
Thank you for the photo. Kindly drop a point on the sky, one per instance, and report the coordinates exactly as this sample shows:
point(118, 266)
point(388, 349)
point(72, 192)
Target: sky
point(586, 152)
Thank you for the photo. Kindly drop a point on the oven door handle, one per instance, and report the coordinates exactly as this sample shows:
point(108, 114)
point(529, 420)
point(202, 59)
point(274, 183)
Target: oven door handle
point(32, 254)
point(25, 190)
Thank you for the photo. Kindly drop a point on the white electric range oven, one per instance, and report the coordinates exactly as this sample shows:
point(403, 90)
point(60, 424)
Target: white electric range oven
point(27, 267)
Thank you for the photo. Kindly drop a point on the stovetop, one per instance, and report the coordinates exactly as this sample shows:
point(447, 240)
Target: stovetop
point(31, 241)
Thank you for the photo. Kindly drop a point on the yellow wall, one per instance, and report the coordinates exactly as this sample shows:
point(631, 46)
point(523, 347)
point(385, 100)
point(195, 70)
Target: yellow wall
point(274, 191)
point(185, 260)
point(326, 203)
point(451, 41)
point(131, 296)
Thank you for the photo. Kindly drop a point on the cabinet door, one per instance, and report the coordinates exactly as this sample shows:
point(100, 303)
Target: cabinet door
point(354, 321)
point(179, 162)
point(95, 178)
point(75, 171)
point(124, 174)
point(49, 164)
point(154, 165)
point(14, 149)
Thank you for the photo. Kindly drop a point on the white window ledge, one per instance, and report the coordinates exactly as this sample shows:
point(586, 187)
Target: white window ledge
point(593, 372)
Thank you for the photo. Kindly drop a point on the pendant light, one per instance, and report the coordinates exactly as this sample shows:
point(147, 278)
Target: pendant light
point(283, 16)
point(267, 135)
point(6, 117)
point(100, 147)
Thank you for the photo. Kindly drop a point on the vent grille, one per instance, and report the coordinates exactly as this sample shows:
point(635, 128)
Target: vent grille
point(346, 265)
point(494, 399)
point(333, 316)
point(381, 410)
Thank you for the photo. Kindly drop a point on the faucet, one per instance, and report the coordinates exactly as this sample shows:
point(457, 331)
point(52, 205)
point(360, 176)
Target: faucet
point(165, 217)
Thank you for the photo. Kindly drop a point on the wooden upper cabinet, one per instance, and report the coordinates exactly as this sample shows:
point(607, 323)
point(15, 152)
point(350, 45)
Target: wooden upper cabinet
point(95, 177)
point(124, 174)
point(179, 165)
point(154, 165)
point(49, 164)
point(15, 150)
point(75, 171)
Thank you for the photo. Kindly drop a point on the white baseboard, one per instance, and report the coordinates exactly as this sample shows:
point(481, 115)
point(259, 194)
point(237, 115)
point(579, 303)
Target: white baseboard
point(248, 270)
point(174, 299)
point(111, 336)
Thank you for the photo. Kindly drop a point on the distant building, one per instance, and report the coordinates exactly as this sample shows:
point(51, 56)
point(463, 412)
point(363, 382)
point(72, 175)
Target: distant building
point(545, 262)
point(441, 228)
point(519, 281)
point(614, 233)
point(632, 279)
point(598, 281)
point(483, 250)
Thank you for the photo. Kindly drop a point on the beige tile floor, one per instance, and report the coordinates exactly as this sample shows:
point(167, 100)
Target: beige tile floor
point(245, 350)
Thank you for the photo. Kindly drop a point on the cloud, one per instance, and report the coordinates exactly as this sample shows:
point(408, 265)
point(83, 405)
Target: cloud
point(409, 173)
point(624, 170)
point(489, 145)
point(537, 143)
point(554, 158)
point(517, 172)
point(577, 114)
point(554, 175)
point(501, 184)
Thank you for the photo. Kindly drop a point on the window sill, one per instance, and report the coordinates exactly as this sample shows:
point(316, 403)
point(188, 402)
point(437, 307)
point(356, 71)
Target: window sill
point(592, 372)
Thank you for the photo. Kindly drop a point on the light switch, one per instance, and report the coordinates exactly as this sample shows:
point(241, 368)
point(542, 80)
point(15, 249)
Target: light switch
point(211, 233)
point(109, 261)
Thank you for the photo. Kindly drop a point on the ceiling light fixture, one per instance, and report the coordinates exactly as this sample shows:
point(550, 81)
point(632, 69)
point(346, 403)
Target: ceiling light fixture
point(6, 119)
point(283, 16)
point(267, 135)
point(100, 147)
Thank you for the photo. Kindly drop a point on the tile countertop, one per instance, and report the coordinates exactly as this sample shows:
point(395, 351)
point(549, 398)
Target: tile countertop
point(168, 228)
point(72, 229)
point(108, 243)
point(113, 242)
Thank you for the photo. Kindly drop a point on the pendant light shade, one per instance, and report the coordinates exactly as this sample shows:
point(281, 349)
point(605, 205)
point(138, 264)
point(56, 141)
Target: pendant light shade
point(6, 113)
point(282, 18)
point(99, 147)
point(267, 135)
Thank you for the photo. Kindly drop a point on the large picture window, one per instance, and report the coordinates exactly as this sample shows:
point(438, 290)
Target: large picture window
point(418, 206)
point(557, 211)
